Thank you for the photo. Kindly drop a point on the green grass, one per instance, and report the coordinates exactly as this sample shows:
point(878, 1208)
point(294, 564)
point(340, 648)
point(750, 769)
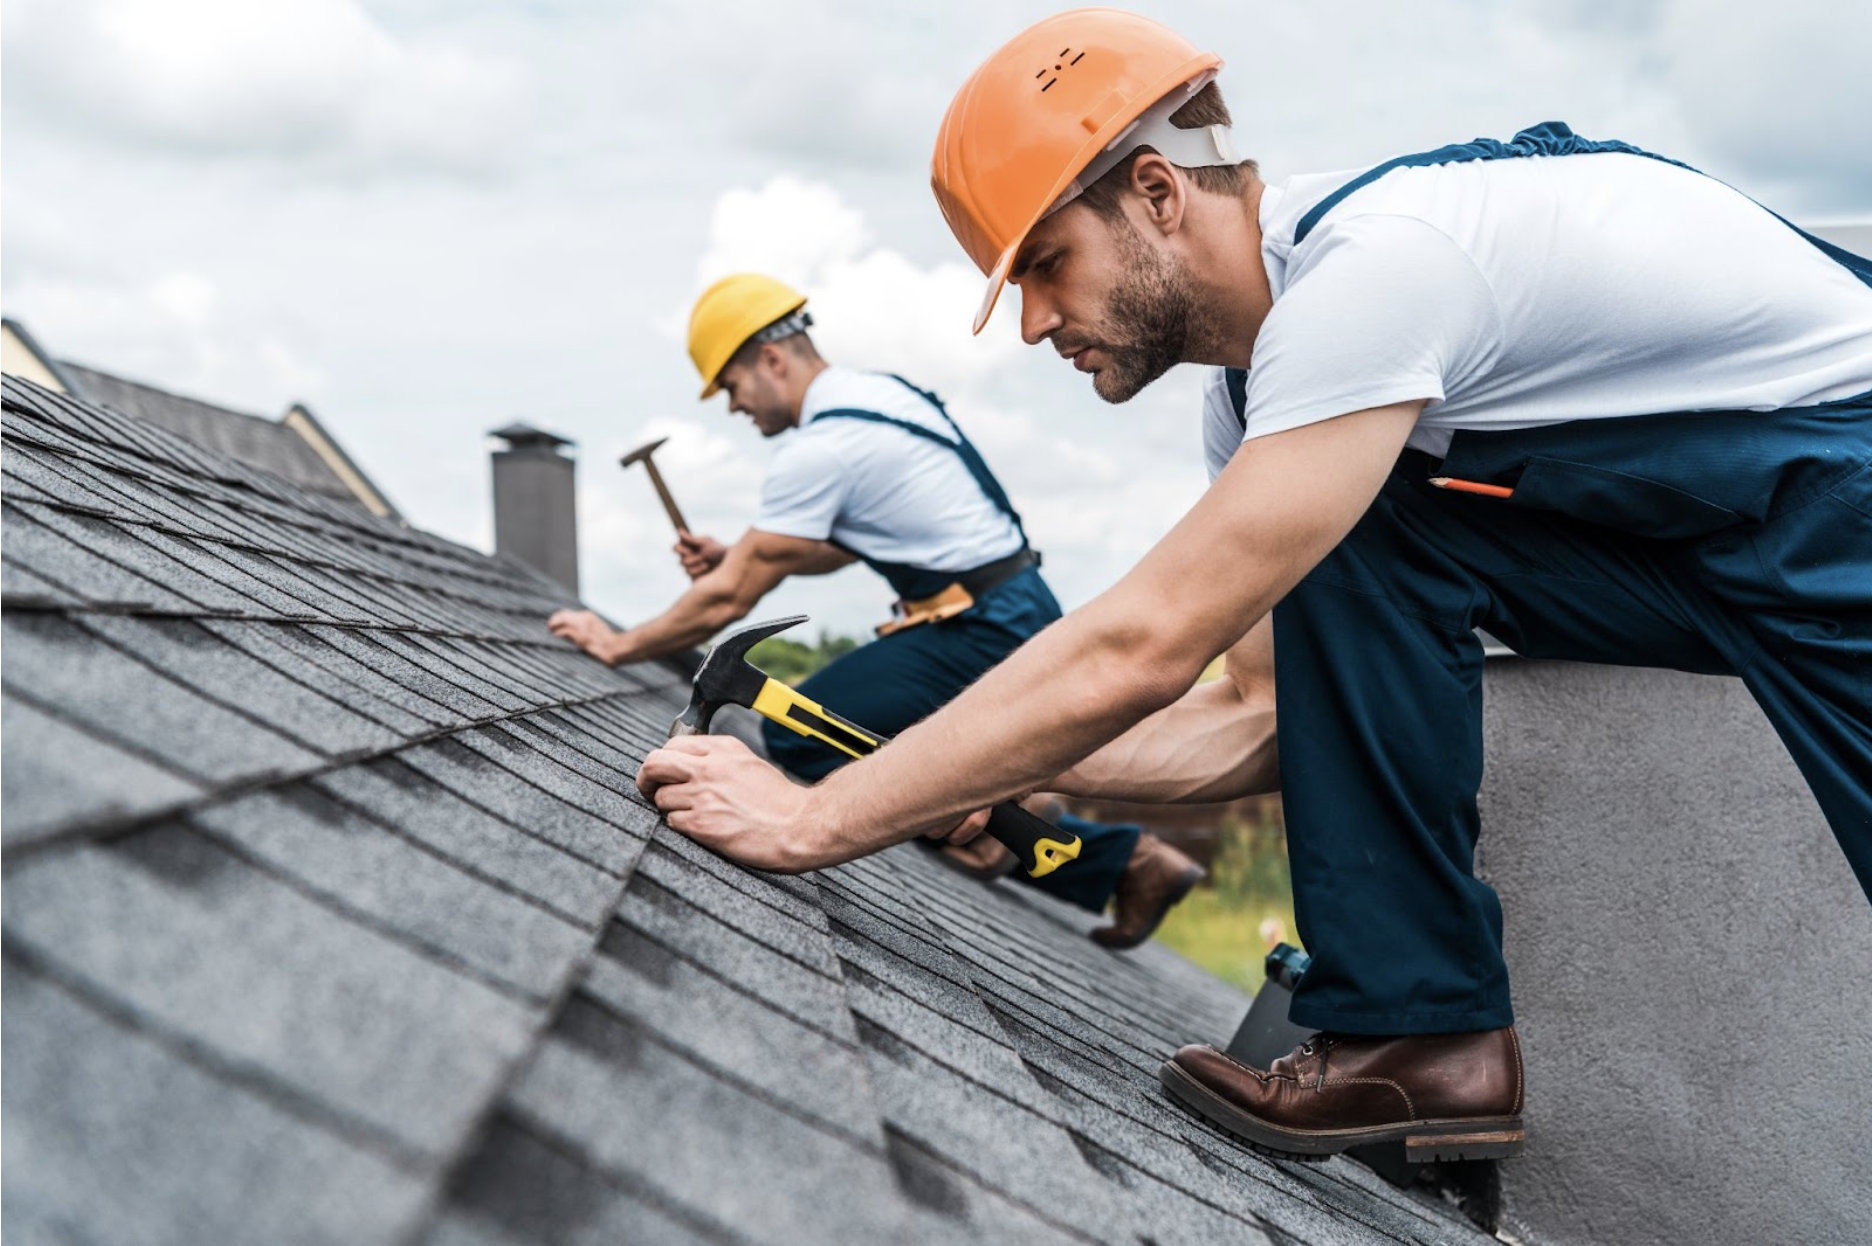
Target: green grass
point(1219, 926)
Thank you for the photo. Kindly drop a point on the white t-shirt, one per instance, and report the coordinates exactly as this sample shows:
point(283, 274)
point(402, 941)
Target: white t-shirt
point(1521, 292)
point(880, 491)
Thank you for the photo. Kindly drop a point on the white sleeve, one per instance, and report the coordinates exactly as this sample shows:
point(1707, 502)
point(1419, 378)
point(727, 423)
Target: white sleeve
point(1221, 431)
point(805, 489)
point(1381, 309)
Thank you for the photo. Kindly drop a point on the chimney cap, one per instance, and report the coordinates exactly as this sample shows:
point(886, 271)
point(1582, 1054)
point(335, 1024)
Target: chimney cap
point(522, 436)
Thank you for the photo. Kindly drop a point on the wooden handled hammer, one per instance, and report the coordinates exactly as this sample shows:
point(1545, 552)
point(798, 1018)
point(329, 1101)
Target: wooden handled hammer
point(726, 677)
point(642, 455)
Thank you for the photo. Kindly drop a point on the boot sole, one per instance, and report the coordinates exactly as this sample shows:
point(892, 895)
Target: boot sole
point(1424, 1142)
point(1178, 890)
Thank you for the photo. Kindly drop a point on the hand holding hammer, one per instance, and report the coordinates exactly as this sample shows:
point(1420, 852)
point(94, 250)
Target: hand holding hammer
point(726, 677)
point(699, 554)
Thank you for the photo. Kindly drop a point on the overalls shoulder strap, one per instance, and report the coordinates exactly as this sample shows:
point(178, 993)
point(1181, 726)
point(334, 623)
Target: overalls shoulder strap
point(1237, 381)
point(1550, 138)
point(962, 447)
point(913, 583)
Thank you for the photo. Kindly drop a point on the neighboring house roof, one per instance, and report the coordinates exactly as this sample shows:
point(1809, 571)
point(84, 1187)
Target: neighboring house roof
point(295, 447)
point(305, 455)
point(332, 914)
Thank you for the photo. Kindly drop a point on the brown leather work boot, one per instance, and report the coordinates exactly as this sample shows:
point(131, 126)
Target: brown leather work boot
point(1444, 1096)
point(1154, 879)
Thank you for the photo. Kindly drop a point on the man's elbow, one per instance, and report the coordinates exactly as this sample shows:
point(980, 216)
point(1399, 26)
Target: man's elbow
point(721, 612)
point(1151, 670)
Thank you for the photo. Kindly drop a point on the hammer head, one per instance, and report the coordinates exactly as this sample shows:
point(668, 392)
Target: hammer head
point(641, 452)
point(726, 677)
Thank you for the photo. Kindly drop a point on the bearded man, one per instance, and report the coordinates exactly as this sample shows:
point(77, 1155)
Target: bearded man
point(1570, 392)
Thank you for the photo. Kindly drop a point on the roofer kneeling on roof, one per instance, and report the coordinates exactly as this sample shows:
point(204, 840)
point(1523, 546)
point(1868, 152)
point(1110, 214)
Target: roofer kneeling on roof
point(1583, 397)
point(873, 469)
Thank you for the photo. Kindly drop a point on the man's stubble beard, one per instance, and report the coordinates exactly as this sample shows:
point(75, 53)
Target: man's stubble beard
point(1148, 320)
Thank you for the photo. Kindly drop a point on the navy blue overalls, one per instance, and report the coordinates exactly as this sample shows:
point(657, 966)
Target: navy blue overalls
point(1720, 542)
point(899, 679)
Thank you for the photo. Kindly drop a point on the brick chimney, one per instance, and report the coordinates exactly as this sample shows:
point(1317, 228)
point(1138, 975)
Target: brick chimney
point(535, 496)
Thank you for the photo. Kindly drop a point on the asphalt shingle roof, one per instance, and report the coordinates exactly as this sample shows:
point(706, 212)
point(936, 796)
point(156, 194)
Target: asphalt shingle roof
point(332, 914)
point(271, 445)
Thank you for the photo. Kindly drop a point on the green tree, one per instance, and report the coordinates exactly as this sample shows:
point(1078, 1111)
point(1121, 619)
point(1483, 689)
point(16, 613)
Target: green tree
point(791, 661)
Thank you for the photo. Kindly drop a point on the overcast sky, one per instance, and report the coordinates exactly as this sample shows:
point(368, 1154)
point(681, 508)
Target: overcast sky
point(427, 218)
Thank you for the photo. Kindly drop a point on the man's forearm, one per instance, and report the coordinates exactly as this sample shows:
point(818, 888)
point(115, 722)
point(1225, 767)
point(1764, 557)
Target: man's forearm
point(697, 615)
point(1213, 745)
point(1276, 510)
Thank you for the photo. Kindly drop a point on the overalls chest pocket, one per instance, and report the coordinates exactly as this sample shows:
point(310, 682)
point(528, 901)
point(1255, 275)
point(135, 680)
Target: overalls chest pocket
point(1615, 499)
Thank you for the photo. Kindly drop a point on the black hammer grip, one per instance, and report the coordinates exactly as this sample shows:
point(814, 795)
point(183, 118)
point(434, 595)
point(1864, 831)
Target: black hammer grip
point(1040, 846)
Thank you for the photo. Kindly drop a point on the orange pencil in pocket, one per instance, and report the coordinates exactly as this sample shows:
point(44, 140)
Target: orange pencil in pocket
point(1471, 486)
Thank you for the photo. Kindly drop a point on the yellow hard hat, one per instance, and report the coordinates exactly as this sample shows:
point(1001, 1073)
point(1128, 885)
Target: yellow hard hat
point(730, 312)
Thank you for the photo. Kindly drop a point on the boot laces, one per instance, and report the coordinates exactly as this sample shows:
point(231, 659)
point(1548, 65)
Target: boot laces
point(1319, 1045)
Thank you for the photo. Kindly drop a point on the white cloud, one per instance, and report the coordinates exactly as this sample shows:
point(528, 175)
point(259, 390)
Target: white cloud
point(178, 329)
point(284, 79)
point(1095, 485)
point(1778, 91)
point(259, 148)
point(870, 302)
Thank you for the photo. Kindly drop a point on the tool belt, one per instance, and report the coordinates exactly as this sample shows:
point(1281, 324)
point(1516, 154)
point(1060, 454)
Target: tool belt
point(960, 594)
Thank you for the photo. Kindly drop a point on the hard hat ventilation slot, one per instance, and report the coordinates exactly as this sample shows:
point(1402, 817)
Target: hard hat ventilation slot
point(1061, 65)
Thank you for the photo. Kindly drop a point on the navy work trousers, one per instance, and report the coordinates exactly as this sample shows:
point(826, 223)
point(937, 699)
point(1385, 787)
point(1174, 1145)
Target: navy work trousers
point(897, 680)
point(1715, 542)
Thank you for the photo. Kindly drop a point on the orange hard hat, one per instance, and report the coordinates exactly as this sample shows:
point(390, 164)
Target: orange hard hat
point(1040, 112)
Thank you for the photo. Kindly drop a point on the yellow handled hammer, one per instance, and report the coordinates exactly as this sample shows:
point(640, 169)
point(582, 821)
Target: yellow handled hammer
point(726, 677)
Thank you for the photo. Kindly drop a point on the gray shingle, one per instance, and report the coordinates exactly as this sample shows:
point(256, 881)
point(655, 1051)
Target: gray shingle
point(719, 1153)
point(344, 668)
point(808, 1070)
point(205, 562)
point(117, 697)
point(59, 548)
point(430, 654)
point(474, 777)
point(192, 654)
point(22, 589)
point(685, 893)
point(520, 1189)
point(999, 1143)
point(393, 793)
point(357, 865)
point(795, 896)
point(948, 1206)
point(714, 943)
point(111, 1136)
point(208, 949)
point(615, 801)
point(368, 649)
point(293, 655)
point(59, 775)
point(302, 591)
point(312, 999)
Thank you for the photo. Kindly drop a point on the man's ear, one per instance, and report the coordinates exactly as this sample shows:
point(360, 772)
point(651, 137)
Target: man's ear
point(774, 358)
point(1158, 184)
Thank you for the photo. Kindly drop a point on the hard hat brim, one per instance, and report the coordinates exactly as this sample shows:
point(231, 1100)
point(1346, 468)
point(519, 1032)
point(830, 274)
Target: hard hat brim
point(996, 280)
